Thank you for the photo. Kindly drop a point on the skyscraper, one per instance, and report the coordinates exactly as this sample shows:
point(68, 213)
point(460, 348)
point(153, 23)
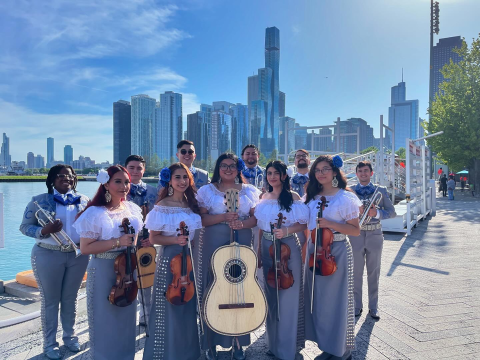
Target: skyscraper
point(5, 157)
point(198, 132)
point(170, 127)
point(50, 151)
point(39, 162)
point(30, 160)
point(442, 54)
point(240, 135)
point(404, 115)
point(122, 131)
point(222, 106)
point(67, 155)
point(143, 126)
point(221, 133)
point(264, 87)
point(281, 104)
point(287, 125)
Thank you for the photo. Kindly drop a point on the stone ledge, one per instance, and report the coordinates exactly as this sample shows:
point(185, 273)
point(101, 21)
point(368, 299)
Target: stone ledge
point(22, 291)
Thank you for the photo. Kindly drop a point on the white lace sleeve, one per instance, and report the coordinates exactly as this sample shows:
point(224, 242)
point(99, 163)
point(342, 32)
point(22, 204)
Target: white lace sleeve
point(205, 196)
point(89, 223)
point(299, 212)
point(253, 194)
point(350, 206)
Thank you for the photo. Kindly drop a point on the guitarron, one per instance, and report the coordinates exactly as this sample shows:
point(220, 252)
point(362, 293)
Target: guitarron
point(235, 303)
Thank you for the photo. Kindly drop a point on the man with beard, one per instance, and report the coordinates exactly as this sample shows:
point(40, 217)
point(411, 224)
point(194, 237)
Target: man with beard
point(299, 181)
point(252, 172)
point(186, 155)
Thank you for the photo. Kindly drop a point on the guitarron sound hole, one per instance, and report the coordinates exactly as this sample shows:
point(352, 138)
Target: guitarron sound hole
point(145, 259)
point(235, 270)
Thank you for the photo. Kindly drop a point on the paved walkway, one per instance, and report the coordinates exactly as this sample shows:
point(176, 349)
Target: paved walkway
point(429, 298)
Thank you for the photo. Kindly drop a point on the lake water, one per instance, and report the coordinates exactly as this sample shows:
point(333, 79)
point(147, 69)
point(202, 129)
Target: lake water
point(15, 256)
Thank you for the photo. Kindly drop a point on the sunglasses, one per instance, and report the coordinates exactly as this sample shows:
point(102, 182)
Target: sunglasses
point(184, 152)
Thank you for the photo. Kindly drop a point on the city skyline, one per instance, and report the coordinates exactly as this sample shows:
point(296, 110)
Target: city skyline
point(69, 85)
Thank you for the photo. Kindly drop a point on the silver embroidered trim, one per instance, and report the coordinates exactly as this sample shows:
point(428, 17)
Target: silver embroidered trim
point(42, 302)
point(199, 274)
point(160, 300)
point(351, 305)
point(90, 301)
point(111, 255)
point(55, 247)
point(301, 303)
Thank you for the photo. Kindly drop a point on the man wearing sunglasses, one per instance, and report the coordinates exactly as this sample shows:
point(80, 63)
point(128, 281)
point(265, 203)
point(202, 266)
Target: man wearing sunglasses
point(186, 155)
point(299, 181)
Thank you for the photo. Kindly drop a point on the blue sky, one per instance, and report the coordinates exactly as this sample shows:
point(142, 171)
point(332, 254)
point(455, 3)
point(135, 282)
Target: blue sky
point(63, 63)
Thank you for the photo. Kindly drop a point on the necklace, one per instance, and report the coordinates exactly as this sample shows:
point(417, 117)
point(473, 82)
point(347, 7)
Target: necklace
point(113, 208)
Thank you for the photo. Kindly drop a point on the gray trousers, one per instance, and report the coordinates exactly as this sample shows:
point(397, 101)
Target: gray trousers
point(367, 249)
point(59, 276)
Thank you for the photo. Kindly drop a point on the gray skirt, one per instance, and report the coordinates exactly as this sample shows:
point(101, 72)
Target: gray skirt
point(332, 324)
point(287, 335)
point(207, 241)
point(173, 328)
point(111, 328)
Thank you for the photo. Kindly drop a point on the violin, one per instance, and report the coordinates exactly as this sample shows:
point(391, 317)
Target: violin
point(322, 238)
point(280, 253)
point(182, 288)
point(124, 292)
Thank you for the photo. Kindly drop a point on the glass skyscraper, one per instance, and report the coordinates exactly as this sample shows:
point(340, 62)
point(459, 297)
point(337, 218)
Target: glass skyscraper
point(404, 115)
point(67, 155)
point(198, 132)
point(170, 125)
point(50, 151)
point(5, 157)
point(240, 135)
point(122, 129)
point(442, 54)
point(143, 125)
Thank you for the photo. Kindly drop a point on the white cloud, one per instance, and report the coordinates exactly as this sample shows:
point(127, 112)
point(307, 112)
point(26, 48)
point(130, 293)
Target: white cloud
point(90, 135)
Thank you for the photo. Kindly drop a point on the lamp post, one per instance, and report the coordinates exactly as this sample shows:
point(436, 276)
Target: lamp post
point(434, 28)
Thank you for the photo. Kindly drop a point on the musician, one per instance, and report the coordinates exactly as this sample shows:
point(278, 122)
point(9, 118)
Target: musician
point(252, 172)
point(332, 323)
point(141, 194)
point(111, 328)
point(299, 181)
point(175, 332)
point(58, 271)
point(367, 248)
point(286, 335)
point(218, 222)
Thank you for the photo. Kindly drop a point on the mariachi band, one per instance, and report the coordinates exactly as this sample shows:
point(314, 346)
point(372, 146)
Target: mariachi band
point(184, 251)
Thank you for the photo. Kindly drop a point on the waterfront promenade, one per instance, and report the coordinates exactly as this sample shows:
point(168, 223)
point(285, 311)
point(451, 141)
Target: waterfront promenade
point(429, 298)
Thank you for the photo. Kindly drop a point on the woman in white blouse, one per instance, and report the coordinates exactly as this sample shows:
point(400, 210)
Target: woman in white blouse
point(285, 325)
point(174, 327)
point(218, 222)
point(332, 323)
point(112, 328)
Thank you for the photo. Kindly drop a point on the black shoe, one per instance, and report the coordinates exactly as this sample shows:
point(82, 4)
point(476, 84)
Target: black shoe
point(374, 314)
point(210, 355)
point(324, 356)
point(238, 354)
point(74, 346)
point(358, 312)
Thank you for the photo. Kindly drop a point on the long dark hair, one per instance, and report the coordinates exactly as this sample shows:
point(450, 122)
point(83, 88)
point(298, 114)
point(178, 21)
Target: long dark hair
point(52, 176)
point(216, 172)
point(190, 192)
point(314, 187)
point(285, 199)
point(99, 198)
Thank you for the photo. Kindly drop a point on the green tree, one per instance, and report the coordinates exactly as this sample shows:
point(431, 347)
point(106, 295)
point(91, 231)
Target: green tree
point(273, 155)
point(262, 161)
point(369, 149)
point(456, 112)
point(401, 153)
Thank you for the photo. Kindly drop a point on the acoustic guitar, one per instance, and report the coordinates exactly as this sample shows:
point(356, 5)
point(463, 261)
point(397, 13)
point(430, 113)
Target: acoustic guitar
point(235, 303)
point(146, 258)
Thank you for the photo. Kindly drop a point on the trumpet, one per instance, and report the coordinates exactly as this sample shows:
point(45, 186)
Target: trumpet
point(373, 201)
point(61, 237)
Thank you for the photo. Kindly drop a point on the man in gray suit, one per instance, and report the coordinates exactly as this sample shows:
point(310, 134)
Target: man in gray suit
point(367, 247)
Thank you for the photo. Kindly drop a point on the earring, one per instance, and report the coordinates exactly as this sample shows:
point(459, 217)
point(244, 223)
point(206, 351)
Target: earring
point(335, 182)
point(237, 180)
point(108, 197)
point(170, 190)
point(219, 180)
